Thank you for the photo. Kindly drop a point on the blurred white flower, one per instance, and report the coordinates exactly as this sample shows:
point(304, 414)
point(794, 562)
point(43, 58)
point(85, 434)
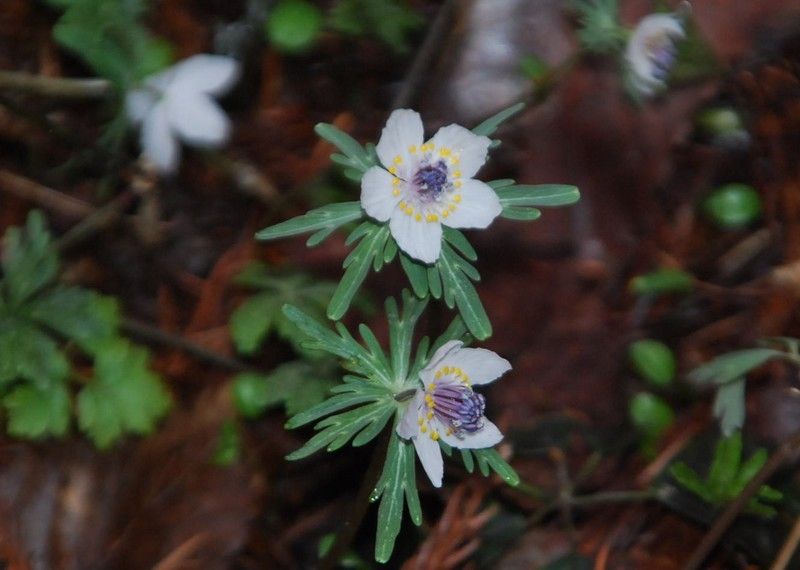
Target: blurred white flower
point(177, 104)
point(423, 185)
point(446, 408)
point(651, 51)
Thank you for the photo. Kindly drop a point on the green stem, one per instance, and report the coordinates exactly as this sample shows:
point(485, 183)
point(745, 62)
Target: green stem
point(58, 87)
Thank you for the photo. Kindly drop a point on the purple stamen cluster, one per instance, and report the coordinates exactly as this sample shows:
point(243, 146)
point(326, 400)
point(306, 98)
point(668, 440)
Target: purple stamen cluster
point(458, 407)
point(430, 180)
point(663, 58)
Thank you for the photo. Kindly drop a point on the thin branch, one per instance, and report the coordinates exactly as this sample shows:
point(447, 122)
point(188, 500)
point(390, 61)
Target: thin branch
point(788, 549)
point(424, 57)
point(27, 189)
point(155, 335)
point(57, 87)
point(728, 516)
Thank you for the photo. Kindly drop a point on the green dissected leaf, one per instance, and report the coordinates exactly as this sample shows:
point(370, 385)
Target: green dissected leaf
point(728, 476)
point(110, 37)
point(298, 385)
point(490, 125)
point(729, 406)
point(387, 20)
point(490, 460)
point(355, 155)
point(77, 314)
point(734, 365)
point(540, 195)
point(401, 331)
point(360, 424)
point(354, 392)
point(725, 465)
point(459, 291)
point(520, 214)
point(417, 274)
point(26, 353)
point(396, 486)
point(327, 218)
point(124, 396)
point(252, 321)
point(368, 363)
point(38, 411)
point(372, 242)
point(30, 263)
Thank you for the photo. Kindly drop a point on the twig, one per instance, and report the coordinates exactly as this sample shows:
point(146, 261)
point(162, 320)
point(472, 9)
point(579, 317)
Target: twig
point(27, 189)
point(725, 520)
point(156, 335)
point(359, 507)
point(58, 87)
point(424, 57)
point(97, 221)
point(788, 549)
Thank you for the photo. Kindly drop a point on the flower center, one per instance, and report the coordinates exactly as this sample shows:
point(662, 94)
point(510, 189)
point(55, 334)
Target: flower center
point(457, 406)
point(662, 55)
point(430, 181)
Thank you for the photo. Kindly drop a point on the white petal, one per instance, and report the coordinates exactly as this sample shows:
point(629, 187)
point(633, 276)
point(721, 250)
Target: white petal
point(158, 143)
point(488, 436)
point(443, 351)
point(421, 240)
point(198, 120)
point(210, 74)
point(471, 149)
point(430, 455)
point(479, 205)
point(479, 364)
point(376, 194)
point(408, 427)
point(138, 103)
point(403, 129)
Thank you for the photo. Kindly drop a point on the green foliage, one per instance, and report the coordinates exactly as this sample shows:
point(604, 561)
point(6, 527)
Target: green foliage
point(110, 37)
point(534, 68)
point(653, 360)
point(37, 317)
point(728, 372)
point(396, 486)
point(262, 313)
point(662, 281)
point(123, 397)
point(297, 385)
point(600, 31)
point(651, 415)
point(387, 20)
point(733, 206)
point(229, 445)
point(293, 25)
point(728, 476)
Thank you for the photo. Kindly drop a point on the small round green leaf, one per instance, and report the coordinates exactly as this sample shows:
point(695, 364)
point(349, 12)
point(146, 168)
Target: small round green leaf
point(250, 394)
point(653, 361)
point(293, 25)
point(662, 281)
point(650, 414)
point(733, 206)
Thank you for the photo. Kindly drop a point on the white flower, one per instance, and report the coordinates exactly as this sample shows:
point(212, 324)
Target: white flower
point(651, 51)
point(177, 103)
point(446, 408)
point(423, 185)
